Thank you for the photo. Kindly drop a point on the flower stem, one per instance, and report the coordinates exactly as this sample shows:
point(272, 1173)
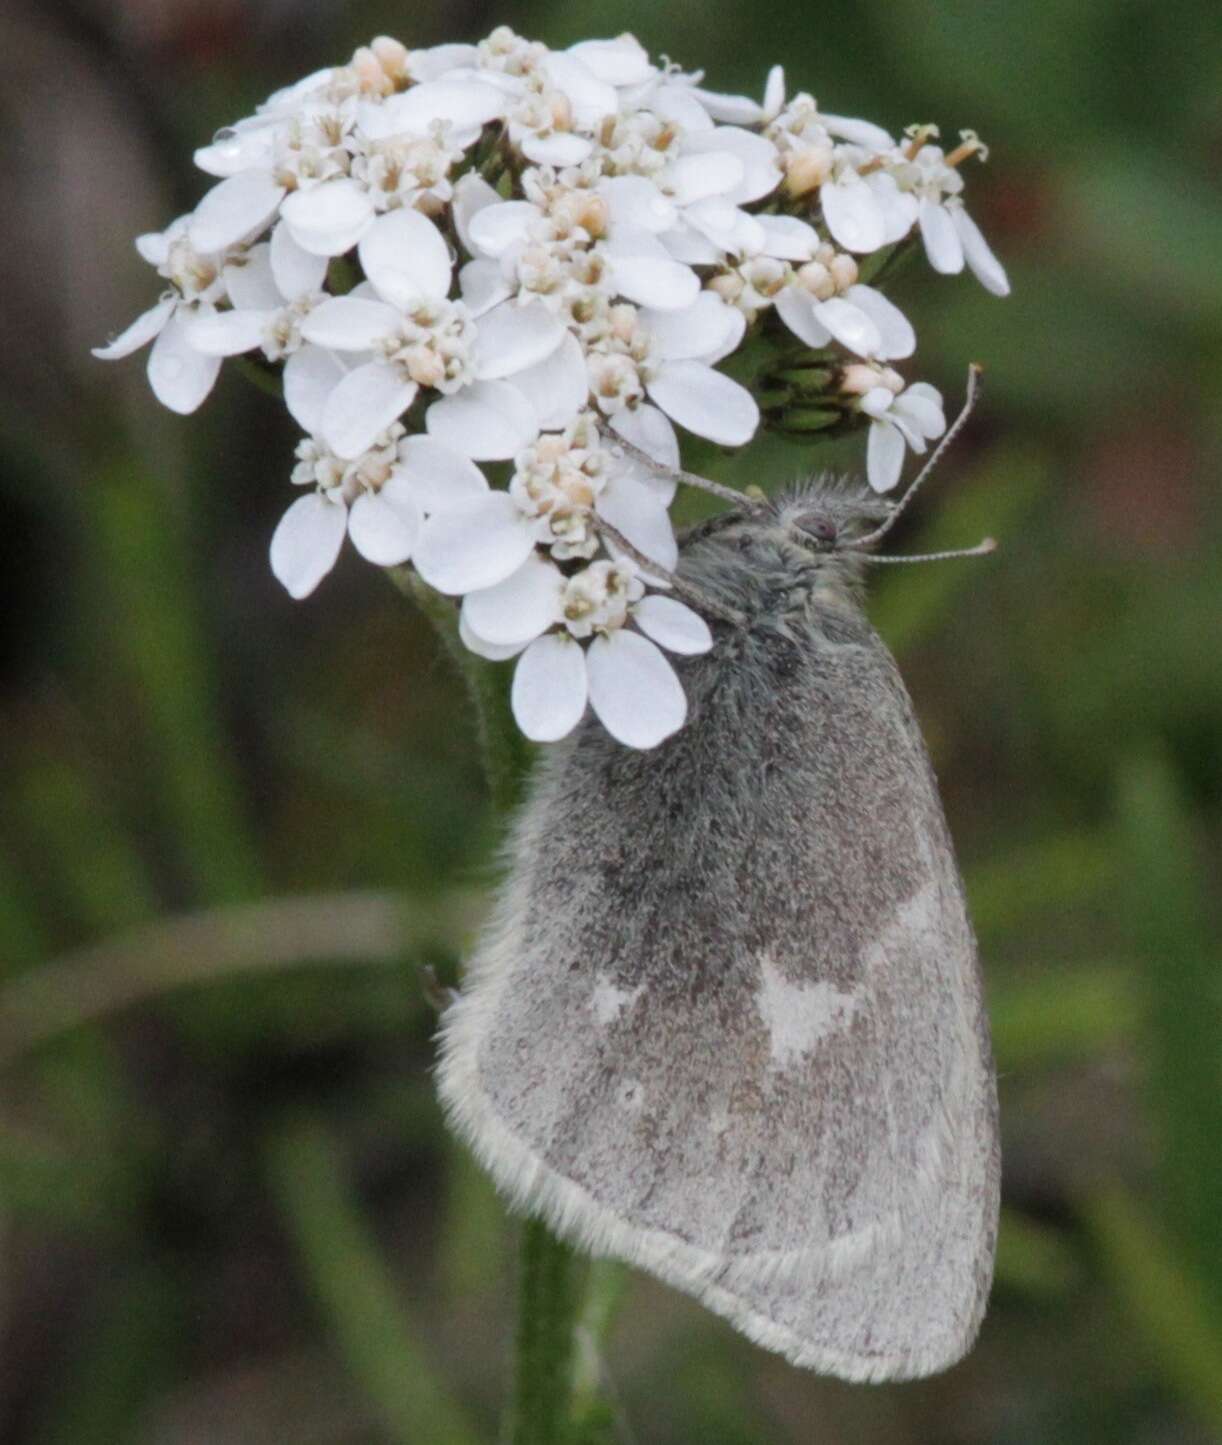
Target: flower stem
point(548, 1297)
point(549, 1275)
point(503, 750)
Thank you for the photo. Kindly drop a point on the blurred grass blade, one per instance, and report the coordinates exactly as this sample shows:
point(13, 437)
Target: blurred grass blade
point(475, 1226)
point(1164, 903)
point(100, 879)
point(354, 1288)
point(1163, 1298)
point(1066, 869)
point(155, 631)
point(1035, 1259)
point(1073, 1013)
point(216, 944)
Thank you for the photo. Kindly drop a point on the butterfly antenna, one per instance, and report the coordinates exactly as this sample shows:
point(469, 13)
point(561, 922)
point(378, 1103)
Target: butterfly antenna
point(969, 402)
point(694, 596)
point(981, 549)
point(689, 479)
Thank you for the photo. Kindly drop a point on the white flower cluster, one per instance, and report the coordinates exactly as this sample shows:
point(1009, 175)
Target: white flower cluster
point(503, 253)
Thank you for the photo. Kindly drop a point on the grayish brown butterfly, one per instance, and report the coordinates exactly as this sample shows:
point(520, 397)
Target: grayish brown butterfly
point(727, 1021)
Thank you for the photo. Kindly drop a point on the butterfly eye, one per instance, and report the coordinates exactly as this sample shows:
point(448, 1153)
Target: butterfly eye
point(821, 530)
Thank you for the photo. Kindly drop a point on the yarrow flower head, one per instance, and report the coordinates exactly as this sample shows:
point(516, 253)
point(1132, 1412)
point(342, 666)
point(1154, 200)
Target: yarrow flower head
point(498, 282)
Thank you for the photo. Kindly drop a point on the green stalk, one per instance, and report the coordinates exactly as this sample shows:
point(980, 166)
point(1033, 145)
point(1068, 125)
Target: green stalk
point(548, 1273)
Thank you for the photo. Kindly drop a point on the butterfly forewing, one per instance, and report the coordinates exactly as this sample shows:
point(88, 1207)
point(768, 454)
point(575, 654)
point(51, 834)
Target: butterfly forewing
point(728, 1023)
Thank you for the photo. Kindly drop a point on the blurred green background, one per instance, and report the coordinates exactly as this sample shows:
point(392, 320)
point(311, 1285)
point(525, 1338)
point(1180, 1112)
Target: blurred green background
point(232, 827)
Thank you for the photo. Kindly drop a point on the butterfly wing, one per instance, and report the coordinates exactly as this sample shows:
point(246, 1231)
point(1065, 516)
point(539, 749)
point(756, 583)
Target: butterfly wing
point(727, 1023)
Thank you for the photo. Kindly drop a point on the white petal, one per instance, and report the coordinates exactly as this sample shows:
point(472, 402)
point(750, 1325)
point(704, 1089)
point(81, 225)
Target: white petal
point(518, 609)
point(644, 272)
point(563, 148)
point(494, 652)
point(788, 238)
point(636, 201)
point(727, 226)
point(849, 325)
point(550, 688)
point(349, 323)
point(154, 246)
point(853, 214)
point(466, 104)
point(474, 544)
point(694, 177)
point(297, 272)
point(488, 421)
point(307, 542)
point(493, 229)
point(986, 268)
point(512, 337)
point(243, 148)
point(897, 338)
point(590, 98)
point(362, 406)
point(677, 103)
point(650, 430)
point(180, 376)
point(859, 132)
point(472, 194)
point(406, 258)
point(774, 91)
point(761, 170)
point(249, 282)
point(434, 475)
point(634, 690)
point(931, 394)
point(238, 207)
point(622, 61)
point(942, 243)
point(731, 109)
point(924, 412)
point(907, 428)
point(637, 512)
point(482, 285)
point(705, 402)
point(382, 532)
point(437, 59)
point(672, 624)
point(329, 219)
point(796, 308)
point(310, 376)
point(877, 401)
point(708, 329)
point(142, 330)
point(688, 245)
point(884, 455)
point(899, 208)
point(556, 387)
point(226, 333)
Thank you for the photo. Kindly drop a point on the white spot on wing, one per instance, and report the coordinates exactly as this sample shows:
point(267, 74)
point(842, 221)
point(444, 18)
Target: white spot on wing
point(799, 1015)
point(608, 1002)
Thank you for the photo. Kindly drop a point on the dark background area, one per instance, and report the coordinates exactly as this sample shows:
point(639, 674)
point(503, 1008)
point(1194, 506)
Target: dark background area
point(232, 826)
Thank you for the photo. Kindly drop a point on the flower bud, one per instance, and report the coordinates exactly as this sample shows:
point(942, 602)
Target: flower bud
point(807, 169)
point(817, 279)
point(844, 271)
